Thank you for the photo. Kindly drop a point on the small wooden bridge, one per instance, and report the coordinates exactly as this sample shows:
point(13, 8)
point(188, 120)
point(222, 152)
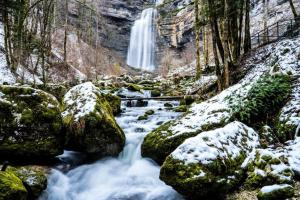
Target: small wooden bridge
point(162, 98)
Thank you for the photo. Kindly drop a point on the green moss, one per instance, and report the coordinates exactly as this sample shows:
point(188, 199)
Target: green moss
point(134, 87)
point(219, 177)
point(181, 108)
point(34, 177)
point(168, 105)
point(143, 117)
point(114, 102)
point(11, 187)
point(32, 118)
point(155, 93)
point(149, 112)
point(96, 133)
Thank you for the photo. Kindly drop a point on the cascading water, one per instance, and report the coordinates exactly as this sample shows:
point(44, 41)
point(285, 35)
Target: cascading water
point(128, 177)
point(141, 52)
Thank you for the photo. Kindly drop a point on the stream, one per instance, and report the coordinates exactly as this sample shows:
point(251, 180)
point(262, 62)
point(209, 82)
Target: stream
point(128, 177)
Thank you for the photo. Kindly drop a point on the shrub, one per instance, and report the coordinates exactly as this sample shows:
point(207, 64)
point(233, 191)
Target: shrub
point(264, 99)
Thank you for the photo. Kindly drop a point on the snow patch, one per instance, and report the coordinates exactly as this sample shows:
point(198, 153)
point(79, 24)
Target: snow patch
point(271, 188)
point(81, 100)
point(225, 143)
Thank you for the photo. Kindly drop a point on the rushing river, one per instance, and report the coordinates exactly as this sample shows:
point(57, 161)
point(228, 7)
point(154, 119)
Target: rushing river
point(128, 177)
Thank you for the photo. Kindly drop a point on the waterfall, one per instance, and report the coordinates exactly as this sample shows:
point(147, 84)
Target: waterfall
point(141, 51)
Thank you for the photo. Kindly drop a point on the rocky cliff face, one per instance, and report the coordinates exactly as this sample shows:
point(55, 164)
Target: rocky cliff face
point(175, 23)
point(111, 20)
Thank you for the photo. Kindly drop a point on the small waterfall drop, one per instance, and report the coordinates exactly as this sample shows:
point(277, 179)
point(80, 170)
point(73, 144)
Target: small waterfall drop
point(127, 177)
point(141, 51)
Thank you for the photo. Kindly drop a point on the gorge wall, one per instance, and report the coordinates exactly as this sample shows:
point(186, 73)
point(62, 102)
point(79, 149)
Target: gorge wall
point(110, 21)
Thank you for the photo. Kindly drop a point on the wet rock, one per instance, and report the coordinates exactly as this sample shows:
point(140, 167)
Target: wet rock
point(11, 187)
point(149, 112)
point(143, 117)
point(155, 93)
point(134, 88)
point(33, 177)
point(168, 105)
point(141, 103)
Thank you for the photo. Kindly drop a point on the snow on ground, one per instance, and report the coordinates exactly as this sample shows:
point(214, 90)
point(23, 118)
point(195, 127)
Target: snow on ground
point(81, 100)
point(228, 142)
point(5, 73)
point(274, 58)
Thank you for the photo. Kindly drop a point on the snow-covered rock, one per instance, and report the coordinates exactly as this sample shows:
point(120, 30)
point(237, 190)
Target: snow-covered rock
point(281, 57)
point(91, 126)
point(265, 167)
point(273, 165)
point(275, 192)
point(209, 164)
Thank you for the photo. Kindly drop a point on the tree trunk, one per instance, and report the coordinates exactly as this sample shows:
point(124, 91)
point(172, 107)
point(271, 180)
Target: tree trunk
point(197, 33)
point(216, 57)
point(247, 39)
point(225, 44)
point(205, 46)
point(66, 32)
point(293, 9)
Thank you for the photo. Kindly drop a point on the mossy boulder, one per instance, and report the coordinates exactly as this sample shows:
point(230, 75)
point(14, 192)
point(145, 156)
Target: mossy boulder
point(155, 93)
point(91, 126)
point(142, 117)
point(181, 108)
point(168, 105)
point(33, 177)
point(276, 192)
point(114, 102)
point(30, 124)
point(56, 90)
point(149, 112)
point(208, 165)
point(134, 88)
point(11, 187)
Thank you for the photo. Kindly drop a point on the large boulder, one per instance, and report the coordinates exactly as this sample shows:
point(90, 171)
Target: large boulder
point(90, 124)
point(33, 177)
point(11, 187)
point(30, 124)
point(209, 164)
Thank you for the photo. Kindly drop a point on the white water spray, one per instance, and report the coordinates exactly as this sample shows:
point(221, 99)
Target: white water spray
point(141, 52)
point(297, 131)
point(128, 177)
